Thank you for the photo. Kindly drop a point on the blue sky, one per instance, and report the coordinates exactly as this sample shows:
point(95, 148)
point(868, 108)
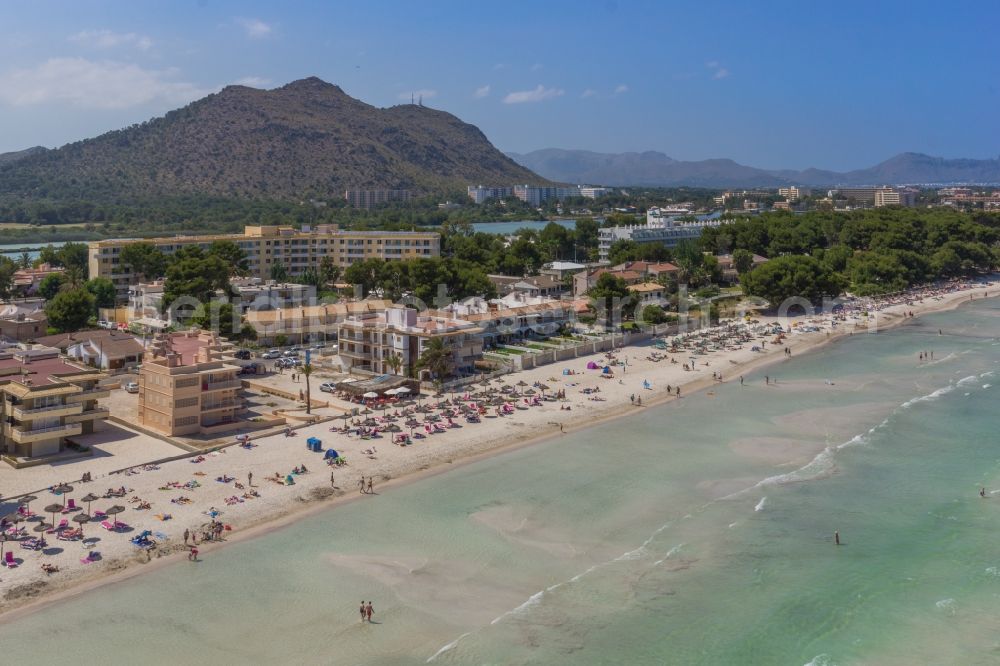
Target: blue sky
point(773, 84)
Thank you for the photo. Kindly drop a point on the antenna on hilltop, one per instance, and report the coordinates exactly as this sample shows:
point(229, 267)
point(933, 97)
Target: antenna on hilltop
point(421, 100)
point(411, 98)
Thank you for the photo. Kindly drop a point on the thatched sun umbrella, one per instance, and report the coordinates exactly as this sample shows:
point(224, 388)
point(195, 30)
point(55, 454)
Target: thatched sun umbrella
point(26, 501)
point(41, 527)
point(80, 519)
point(114, 511)
point(3, 541)
point(88, 498)
point(53, 509)
point(543, 388)
point(63, 489)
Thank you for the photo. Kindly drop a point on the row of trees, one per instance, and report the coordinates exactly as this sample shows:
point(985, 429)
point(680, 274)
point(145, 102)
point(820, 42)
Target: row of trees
point(867, 252)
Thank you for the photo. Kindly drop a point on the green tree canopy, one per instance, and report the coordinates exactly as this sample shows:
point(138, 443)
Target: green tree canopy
point(70, 309)
point(50, 286)
point(792, 276)
point(144, 259)
point(103, 290)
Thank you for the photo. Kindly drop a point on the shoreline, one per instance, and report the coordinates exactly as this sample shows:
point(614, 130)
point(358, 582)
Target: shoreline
point(40, 592)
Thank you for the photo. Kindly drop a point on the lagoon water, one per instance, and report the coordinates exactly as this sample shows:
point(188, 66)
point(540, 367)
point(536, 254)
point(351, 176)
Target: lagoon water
point(681, 535)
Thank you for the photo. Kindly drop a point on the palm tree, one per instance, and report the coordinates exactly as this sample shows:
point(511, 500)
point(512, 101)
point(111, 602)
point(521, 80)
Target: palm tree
point(306, 371)
point(394, 361)
point(25, 260)
point(436, 358)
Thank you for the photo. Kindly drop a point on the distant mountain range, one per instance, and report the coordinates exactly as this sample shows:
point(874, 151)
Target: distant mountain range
point(304, 139)
point(658, 170)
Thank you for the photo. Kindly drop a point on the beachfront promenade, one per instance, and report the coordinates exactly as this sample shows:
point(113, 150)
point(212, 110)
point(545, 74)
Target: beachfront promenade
point(190, 490)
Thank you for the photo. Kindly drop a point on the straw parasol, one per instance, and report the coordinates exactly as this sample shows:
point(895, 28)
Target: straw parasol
point(63, 489)
point(543, 388)
point(114, 511)
point(88, 498)
point(53, 509)
point(41, 527)
point(27, 500)
point(3, 541)
point(81, 518)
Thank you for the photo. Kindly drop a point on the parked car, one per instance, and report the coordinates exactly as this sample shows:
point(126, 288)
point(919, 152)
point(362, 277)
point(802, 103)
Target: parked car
point(271, 353)
point(328, 387)
point(291, 353)
point(132, 387)
point(243, 354)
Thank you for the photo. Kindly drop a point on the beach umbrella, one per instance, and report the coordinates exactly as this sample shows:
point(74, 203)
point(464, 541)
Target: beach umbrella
point(366, 411)
point(3, 541)
point(27, 500)
point(370, 394)
point(41, 527)
point(543, 388)
point(394, 428)
point(88, 498)
point(53, 509)
point(114, 511)
point(530, 392)
point(81, 518)
point(402, 390)
point(63, 489)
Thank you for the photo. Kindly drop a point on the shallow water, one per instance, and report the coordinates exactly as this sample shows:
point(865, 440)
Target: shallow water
point(676, 536)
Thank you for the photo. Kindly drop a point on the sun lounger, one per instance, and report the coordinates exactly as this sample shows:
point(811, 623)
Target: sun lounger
point(108, 526)
point(8, 560)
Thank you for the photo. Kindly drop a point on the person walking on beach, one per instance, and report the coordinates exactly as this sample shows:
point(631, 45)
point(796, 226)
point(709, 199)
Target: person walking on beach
point(187, 535)
point(370, 490)
point(332, 483)
point(193, 554)
point(250, 478)
point(836, 538)
point(767, 379)
point(363, 609)
point(741, 380)
point(368, 611)
point(361, 485)
point(982, 492)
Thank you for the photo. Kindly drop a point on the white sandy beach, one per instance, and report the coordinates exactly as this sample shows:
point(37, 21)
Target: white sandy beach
point(390, 464)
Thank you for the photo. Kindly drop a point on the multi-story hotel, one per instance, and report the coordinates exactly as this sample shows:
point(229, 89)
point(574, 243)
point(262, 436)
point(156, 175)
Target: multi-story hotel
point(368, 341)
point(480, 194)
point(310, 323)
point(45, 401)
point(266, 246)
point(186, 385)
point(367, 199)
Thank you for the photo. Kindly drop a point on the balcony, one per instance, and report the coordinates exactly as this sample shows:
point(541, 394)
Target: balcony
point(222, 404)
point(22, 414)
point(23, 435)
point(92, 394)
point(222, 386)
point(89, 415)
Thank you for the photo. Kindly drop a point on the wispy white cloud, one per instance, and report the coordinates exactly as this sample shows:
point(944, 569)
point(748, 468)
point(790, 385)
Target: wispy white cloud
point(718, 71)
point(499, 66)
point(621, 89)
point(417, 94)
point(255, 28)
point(252, 82)
point(537, 66)
point(482, 91)
point(538, 94)
point(107, 39)
point(92, 84)
point(589, 92)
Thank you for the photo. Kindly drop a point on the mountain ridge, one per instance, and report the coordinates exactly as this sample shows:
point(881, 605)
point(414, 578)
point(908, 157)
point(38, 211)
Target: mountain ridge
point(307, 138)
point(656, 169)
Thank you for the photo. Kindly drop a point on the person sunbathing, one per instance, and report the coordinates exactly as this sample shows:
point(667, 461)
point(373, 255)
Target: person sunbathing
point(49, 568)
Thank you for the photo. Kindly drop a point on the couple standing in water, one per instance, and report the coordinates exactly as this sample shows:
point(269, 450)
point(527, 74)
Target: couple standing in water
point(366, 611)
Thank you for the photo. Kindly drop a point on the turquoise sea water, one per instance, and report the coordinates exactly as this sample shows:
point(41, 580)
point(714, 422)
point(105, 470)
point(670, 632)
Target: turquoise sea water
point(678, 536)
